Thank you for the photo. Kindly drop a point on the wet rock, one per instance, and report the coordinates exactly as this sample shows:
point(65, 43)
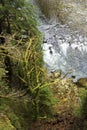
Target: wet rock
point(44, 41)
point(56, 74)
point(50, 50)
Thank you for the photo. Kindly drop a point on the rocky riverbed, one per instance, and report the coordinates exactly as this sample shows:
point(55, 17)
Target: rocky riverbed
point(64, 49)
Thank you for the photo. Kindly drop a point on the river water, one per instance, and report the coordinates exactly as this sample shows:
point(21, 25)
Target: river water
point(64, 49)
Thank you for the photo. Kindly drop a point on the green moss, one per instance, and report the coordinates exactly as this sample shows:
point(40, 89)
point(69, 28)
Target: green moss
point(5, 123)
point(16, 112)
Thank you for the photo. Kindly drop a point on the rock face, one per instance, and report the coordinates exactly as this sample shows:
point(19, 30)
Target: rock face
point(72, 12)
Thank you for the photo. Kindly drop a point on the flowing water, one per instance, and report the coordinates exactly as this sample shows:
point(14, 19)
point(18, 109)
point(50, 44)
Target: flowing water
point(64, 49)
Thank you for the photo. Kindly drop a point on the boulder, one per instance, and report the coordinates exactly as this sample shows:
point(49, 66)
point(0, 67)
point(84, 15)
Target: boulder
point(82, 82)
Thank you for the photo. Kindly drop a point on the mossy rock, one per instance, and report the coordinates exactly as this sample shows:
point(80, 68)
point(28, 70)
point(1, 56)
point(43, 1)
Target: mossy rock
point(5, 123)
point(82, 82)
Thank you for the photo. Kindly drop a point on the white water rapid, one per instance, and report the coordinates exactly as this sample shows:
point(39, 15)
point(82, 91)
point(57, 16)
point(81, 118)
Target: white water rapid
point(64, 49)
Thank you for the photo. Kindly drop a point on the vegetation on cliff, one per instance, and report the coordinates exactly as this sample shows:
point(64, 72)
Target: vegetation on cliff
point(26, 92)
point(23, 81)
